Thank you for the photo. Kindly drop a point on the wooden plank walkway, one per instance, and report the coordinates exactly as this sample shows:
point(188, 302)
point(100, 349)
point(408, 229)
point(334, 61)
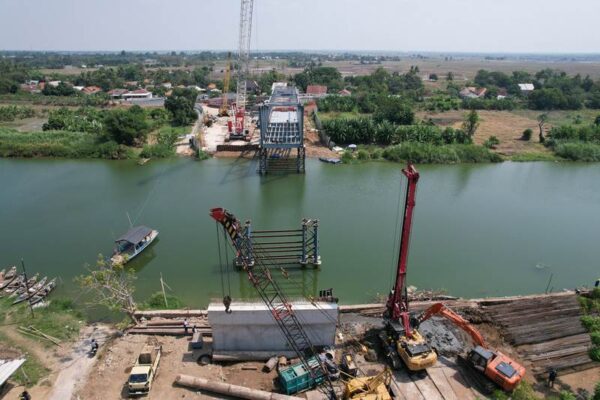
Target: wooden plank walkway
point(444, 381)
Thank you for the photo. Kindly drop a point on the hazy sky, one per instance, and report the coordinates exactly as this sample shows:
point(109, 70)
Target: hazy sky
point(398, 25)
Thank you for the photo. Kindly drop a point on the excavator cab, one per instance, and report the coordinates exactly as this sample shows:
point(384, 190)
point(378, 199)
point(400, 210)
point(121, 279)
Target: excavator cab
point(479, 358)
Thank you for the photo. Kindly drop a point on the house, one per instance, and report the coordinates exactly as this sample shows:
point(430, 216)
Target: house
point(211, 86)
point(526, 87)
point(26, 87)
point(131, 83)
point(91, 90)
point(167, 85)
point(502, 94)
point(78, 88)
point(117, 93)
point(345, 92)
point(54, 83)
point(316, 90)
point(136, 94)
point(472, 92)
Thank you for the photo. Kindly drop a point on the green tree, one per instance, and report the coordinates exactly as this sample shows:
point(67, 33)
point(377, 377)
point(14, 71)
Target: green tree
point(62, 89)
point(471, 123)
point(527, 133)
point(450, 76)
point(181, 106)
point(433, 77)
point(394, 110)
point(127, 126)
point(597, 121)
point(542, 119)
point(492, 142)
point(111, 286)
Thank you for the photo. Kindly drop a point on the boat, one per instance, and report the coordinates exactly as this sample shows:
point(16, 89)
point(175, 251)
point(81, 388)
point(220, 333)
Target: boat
point(13, 285)
point(41, 295)
point(21, 289)
point(330, 160)
point(32, 290)
point(8, 277)
point(132, 243)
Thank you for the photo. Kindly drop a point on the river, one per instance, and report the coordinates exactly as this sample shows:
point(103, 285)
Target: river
point(479, 230)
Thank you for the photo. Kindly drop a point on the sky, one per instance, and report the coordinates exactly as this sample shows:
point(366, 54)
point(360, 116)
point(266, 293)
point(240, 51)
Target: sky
point(491, 26)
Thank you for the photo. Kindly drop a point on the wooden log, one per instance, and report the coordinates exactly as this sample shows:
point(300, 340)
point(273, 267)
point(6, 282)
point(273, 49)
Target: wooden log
point(167, 332)
point(170, 314)
point(239, 392)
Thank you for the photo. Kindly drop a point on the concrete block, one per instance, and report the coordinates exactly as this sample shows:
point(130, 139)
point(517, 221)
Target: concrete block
point(251, 326)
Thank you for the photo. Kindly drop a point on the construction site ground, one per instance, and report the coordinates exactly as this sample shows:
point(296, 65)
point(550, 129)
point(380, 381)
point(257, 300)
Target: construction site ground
point(216, 134)
point(541, 340)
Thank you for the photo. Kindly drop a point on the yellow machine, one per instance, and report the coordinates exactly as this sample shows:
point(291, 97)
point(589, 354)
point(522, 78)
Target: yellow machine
point(369, 387)
point(224, 110)
point(415, 352)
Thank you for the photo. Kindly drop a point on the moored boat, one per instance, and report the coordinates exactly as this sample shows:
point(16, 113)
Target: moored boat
point(23, 287)
point(132, 243)
point(8, 277)
point(41, 295)
point(13, 285)
point(32, 290)
point(330, 160)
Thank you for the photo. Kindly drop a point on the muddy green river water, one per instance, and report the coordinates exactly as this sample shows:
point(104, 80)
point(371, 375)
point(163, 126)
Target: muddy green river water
point(479, 230)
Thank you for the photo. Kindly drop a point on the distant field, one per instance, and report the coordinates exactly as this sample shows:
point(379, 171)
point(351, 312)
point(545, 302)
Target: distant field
point(463, 69)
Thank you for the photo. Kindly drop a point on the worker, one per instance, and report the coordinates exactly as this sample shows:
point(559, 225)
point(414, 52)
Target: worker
point(186, 325)
point(94, 346)
point(227, 304)
point(25, 395)
point(194, 329)
point(551, 377)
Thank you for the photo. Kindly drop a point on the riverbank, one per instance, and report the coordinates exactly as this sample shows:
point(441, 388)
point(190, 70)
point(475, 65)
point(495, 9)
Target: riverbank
point(69, 369)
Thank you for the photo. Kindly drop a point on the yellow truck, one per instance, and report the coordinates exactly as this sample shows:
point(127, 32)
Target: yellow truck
point(144, 371)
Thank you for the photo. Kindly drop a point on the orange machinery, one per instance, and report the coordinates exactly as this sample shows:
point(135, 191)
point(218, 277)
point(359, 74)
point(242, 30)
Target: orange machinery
point(497, 367)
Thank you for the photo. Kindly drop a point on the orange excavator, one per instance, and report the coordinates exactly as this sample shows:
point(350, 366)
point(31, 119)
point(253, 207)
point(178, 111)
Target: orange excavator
point(497, 367)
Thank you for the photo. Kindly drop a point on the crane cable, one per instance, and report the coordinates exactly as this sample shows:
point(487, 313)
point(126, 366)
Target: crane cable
point(396, 238)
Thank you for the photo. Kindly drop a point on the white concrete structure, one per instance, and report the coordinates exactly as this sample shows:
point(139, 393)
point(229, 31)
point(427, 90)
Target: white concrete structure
point(250, 327)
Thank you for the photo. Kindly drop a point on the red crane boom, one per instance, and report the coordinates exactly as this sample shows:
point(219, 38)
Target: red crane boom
point(397, 304)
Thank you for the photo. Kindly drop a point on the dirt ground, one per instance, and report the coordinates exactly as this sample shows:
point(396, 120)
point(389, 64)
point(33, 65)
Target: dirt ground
point(69, 364)
point(507, 126)
point(115, 361)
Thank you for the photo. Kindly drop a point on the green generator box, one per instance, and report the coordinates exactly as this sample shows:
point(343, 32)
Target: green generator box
point(296, 378)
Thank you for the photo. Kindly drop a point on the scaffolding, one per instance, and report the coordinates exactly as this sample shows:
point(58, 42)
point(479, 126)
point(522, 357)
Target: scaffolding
point(277, 248)
point(281, 123)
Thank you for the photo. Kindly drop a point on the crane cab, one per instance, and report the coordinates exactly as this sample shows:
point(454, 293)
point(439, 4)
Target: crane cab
point(415, 352)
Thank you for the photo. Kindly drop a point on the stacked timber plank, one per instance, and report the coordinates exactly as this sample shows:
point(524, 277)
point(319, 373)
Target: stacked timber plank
point(171, 327)
point(545, 330)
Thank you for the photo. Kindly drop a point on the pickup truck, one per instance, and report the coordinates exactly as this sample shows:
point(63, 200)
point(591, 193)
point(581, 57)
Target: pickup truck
point(144, 371)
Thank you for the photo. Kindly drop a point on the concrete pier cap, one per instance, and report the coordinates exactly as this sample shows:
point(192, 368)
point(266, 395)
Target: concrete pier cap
point(250, 327)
